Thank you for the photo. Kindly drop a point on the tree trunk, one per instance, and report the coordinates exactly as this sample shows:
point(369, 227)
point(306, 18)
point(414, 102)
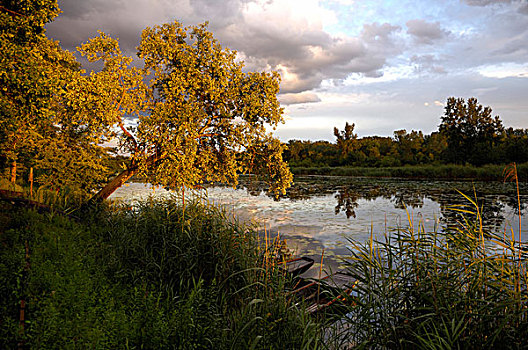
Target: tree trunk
point(122, 178)
point(31, 182)
point(13, 171)
point(113, 185)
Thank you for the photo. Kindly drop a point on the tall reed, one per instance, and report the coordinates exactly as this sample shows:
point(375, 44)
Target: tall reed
point(458, 286)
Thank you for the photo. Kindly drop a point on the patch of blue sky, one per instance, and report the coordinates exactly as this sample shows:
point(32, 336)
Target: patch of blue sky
point(352, 15)
point(453, 15)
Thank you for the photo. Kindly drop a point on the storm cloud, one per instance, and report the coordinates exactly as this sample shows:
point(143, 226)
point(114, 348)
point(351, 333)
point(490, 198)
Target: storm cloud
point(267, 35)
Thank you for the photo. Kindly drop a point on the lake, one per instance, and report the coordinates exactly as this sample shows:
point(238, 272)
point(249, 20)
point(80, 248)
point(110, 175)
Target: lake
point(321, 212)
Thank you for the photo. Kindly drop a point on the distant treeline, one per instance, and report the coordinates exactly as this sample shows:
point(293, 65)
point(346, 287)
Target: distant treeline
point(467, 134)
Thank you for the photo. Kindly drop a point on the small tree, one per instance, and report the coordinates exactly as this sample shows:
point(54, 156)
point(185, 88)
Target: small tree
point(345, 140)
point(410, 146)
point(470, 130)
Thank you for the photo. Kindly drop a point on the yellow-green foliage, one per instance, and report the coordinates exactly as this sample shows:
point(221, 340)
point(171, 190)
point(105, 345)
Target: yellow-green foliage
point(200, 119)
point(207, 119)
point(39, 125)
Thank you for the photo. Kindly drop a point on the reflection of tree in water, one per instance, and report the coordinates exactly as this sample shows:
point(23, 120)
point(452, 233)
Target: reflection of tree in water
point(405, 198)
point(492, 197)
point(512, 202)
point(347, 202)
point(490, 207)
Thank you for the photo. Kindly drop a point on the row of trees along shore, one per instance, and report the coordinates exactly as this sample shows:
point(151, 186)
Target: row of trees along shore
point(199, 118)
point(467, 134)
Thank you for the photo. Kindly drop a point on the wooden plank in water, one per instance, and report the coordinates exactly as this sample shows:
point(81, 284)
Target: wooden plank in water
point(297, 266)
point(328, 292)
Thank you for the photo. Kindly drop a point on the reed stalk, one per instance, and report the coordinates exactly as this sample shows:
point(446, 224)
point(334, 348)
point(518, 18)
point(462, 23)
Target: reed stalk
point(459, 286)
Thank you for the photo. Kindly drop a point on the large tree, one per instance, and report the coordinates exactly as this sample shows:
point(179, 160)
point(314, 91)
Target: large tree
point(200, 119)
point(205, 119)
point(471, 131)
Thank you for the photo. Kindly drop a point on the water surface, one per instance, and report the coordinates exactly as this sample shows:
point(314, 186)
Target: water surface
point(323, 212)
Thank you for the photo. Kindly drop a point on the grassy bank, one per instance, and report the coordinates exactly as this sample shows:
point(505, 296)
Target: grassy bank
point(448, 172)
point(158, 276)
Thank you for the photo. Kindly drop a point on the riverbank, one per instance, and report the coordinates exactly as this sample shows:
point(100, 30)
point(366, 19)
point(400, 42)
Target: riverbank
point(155, 276)
point(319, 211)
point(488, 172)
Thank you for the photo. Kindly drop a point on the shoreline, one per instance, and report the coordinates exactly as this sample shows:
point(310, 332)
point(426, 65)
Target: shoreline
point(447, 172)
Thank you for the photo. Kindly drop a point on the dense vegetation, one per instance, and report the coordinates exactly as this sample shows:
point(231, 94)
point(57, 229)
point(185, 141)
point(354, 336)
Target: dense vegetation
point(488, 172)
point(162, 275)
point(158, 276)
point(467, 135)
point(460, 288)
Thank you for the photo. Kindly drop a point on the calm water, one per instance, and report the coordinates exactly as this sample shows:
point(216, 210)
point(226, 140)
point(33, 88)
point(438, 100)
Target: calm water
point(322, 212)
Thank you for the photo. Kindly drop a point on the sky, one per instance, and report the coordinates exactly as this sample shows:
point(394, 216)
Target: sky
point(383, 65)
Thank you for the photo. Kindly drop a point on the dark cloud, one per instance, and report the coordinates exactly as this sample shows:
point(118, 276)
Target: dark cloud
point(502, 39)
point(426, 56)
point(304, 54)
point(425, 32)
point(125, 20)
point(520, 5)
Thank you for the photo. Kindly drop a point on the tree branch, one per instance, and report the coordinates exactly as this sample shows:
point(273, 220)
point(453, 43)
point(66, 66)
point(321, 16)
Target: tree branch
point(11, 12)
point(125, 131)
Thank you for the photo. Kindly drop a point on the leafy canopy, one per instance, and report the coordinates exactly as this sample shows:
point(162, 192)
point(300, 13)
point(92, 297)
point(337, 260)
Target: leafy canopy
point(470, 130)
point(200, 119)
point(205, 119)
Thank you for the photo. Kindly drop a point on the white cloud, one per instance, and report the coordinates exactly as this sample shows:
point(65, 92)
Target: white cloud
point(390, 74)
point(427, 63)
point(304, 97)
point(505, 70)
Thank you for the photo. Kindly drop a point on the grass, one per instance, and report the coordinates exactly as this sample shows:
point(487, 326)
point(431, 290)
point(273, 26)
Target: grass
point(160, 275)
point(154, 276)
point(456, 288)
point(449, 172)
